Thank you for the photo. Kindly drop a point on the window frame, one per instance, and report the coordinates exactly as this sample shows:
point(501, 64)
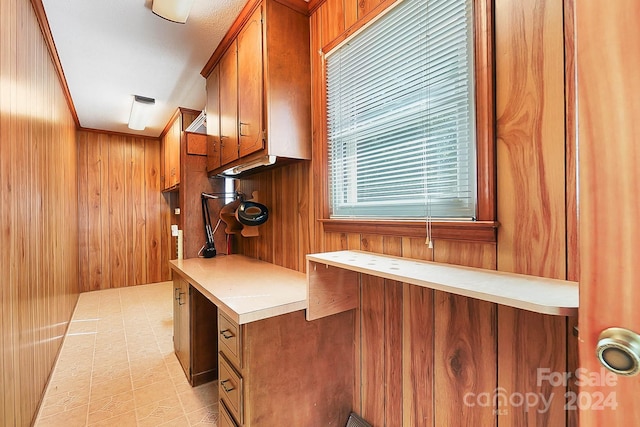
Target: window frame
point(484, 228)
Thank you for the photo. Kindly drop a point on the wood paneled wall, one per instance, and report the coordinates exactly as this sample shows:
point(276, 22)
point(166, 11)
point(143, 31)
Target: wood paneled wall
point(122, 235)
point(38, 214)
point(420, 352)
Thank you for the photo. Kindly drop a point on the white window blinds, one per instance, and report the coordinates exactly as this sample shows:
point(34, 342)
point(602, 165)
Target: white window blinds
point(400, 114)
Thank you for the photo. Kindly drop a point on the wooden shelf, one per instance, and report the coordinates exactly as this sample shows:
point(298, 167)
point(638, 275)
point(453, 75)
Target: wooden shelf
point(332, 291)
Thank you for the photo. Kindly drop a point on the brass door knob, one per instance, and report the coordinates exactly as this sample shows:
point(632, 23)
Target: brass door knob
point(618, 350)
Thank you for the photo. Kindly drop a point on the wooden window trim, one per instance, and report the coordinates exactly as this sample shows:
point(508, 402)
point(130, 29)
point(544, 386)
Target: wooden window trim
point(484, 229)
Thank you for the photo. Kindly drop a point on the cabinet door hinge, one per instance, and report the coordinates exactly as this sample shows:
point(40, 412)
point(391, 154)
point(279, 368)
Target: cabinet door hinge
point(264, 136)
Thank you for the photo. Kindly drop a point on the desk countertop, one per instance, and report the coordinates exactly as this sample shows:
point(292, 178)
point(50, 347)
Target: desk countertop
point(245, 289)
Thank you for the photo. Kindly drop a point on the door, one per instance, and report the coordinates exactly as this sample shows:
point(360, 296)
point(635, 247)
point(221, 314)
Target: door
point(250, 89)
point(229, 105)
point(608, 60)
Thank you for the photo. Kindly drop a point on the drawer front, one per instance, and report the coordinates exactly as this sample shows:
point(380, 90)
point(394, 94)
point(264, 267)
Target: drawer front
point(229, 339)
point(225, 419)
point(230, 389)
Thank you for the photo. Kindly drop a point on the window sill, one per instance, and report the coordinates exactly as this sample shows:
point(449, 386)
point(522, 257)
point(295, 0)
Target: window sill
point(466, 231)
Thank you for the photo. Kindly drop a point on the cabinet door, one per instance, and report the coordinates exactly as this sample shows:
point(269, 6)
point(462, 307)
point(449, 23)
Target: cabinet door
point(229, 105)
point(181, 322)
point(213, 119)
point(250, 89)
point(175, 152)
point(171, 143)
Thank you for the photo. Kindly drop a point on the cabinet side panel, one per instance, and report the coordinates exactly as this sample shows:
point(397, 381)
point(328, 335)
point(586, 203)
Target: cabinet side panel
point(299, 373)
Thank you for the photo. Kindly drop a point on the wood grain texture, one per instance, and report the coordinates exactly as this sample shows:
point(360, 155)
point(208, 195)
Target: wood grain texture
point(608, 58)
point(319, 358)
point(331, 290)
point(372, 350)
point(571, 160)
point(465, 363)
point(530, 107)
point(38, 213)
point(530, 132)
point(418, 403)
point(122, 211)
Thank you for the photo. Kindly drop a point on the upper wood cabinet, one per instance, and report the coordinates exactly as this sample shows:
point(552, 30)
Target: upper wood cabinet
point(263, 85)
point(229, 105)
point(250, 89)
point(213, 120)
point(171, 145)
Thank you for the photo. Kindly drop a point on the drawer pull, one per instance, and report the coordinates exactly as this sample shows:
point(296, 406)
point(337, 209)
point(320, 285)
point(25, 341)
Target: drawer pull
point(226, 334)
point(224, 386)
point(175, 293)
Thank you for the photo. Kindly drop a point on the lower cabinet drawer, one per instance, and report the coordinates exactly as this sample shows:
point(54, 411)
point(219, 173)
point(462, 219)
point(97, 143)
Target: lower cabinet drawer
point(225, 419)
point(230, 388)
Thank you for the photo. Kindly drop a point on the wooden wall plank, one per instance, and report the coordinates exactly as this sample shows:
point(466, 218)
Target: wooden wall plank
point(104, 224)
point(137, 221)
point(465, 362)
point(93, 220)
point(530, 132)
point(418, 357)
point(83, 209)
point(372, 349)
point(155, 244)
point(393, 317)
point(530, 109)
point(117, 212)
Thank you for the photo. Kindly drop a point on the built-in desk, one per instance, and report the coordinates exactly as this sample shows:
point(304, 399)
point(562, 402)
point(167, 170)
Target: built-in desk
point(275, 368)
point(333, 285)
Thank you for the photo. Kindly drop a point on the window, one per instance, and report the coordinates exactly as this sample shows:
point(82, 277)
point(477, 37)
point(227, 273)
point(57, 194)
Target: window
point(401, 115)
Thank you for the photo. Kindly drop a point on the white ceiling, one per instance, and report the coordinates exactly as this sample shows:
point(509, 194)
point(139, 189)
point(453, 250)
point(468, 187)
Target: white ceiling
point(111, 50)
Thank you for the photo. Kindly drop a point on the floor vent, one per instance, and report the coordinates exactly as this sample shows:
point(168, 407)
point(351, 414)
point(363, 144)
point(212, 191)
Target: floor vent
point(356, 421)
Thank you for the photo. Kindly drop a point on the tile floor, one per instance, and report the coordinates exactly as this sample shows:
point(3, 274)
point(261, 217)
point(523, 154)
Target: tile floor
point(117, 366)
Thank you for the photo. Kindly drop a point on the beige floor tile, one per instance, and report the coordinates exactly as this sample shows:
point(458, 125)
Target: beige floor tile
point(158, 413)
point(127, 419)
point(148, 374)
point(207, 416)
point(76, 417)
point(155, 393)
point(70, 385)
point(54, 404)
point(178, 422)
point(110, 387)
point(110, 407)
point(199, 397)
point(110, 372)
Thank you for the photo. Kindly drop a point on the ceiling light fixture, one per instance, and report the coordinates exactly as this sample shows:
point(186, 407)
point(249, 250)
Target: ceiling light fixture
point(172, 10)
point(140, 111)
